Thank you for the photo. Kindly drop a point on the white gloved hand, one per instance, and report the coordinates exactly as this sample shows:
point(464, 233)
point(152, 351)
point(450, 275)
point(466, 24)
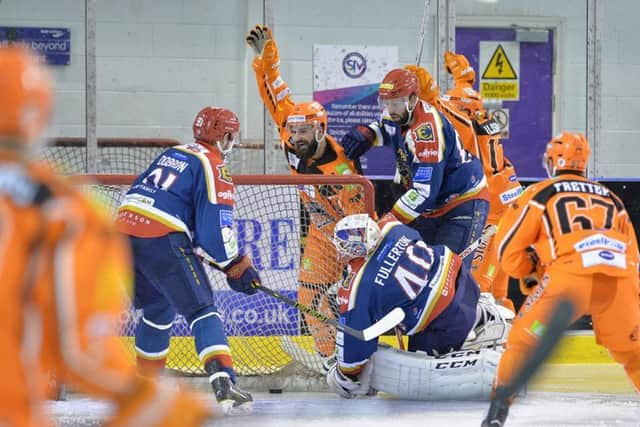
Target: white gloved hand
point(345, 387)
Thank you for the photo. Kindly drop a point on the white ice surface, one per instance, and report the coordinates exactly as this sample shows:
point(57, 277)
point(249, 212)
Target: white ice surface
point(324, 409)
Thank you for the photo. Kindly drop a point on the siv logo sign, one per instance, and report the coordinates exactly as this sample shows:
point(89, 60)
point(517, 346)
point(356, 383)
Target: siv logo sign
point(354, 65)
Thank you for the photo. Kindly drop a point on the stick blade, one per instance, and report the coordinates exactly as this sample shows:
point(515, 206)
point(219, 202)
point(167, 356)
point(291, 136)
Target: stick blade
point(393, 318)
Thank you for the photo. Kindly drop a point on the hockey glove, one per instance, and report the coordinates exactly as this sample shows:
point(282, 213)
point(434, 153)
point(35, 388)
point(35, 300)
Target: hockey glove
point(258, 37)
point(428, 88)
point(458, 66)
point(347, 388)
point(357, 141)
point(387, 218)
point(241, 275)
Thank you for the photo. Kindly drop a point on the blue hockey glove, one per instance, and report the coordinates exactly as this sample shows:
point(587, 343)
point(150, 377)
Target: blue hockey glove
point(357, 141)
point(241, 275)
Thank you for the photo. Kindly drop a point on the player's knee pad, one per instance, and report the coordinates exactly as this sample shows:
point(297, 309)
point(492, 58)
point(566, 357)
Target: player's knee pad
point(466, 374)
point(153, 332)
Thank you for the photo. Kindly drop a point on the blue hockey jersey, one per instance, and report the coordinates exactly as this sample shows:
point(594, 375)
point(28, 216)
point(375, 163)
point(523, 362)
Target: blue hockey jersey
point(403, 271)
point(188, 189)
point(432, 164)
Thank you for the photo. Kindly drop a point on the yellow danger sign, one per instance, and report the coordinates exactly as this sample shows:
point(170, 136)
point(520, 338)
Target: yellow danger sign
point(500, 90)
point(499, 62)
point(499, 67)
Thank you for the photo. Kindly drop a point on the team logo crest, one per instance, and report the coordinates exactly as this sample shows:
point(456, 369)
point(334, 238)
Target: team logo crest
point(424, 133)
point(224, 175)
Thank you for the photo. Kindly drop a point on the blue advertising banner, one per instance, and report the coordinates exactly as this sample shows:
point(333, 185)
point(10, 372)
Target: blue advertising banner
point(54, 44)
point(346, 80)
point(241, 314)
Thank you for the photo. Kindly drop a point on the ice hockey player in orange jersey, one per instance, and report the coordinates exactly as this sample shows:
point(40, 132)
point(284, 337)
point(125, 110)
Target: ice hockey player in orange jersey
point(480, 135)
point(573, 237)
point(66, 274)
point(308, 149)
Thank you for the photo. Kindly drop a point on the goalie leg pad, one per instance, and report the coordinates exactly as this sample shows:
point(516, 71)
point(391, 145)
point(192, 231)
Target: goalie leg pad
point(459, 375)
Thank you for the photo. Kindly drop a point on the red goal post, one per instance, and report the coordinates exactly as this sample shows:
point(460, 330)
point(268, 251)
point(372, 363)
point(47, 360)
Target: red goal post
point(265, 335)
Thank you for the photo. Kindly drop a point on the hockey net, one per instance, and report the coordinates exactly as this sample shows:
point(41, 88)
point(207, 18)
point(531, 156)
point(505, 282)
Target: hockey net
point(272, 225)
point(133, 155)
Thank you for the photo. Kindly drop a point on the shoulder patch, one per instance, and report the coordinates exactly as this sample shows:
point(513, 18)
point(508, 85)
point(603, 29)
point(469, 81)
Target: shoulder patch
point(424, 133)
point(223, 174)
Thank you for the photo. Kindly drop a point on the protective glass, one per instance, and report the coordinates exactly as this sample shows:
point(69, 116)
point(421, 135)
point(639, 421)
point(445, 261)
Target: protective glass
point(394, 104)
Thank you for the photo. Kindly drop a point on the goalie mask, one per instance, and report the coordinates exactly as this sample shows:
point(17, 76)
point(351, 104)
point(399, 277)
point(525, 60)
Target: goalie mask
point(307, 125)
point(217, 126)
point(566, 152)
point(355, 236)
point(398, 95)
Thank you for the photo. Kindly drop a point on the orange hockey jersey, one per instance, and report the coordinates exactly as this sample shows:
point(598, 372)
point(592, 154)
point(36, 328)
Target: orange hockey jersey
point(482, 139)
point(575, 224)
point(324, 203)
point(66, 275)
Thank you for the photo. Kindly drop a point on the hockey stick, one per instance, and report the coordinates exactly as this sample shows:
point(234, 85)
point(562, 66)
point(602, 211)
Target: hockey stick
point(394, 317)
point(474, 245)
point(422, 30)
point(559, 321)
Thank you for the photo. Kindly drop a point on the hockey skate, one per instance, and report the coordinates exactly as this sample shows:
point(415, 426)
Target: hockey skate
point(492, 325)
point(497, 415)
point(233, 400)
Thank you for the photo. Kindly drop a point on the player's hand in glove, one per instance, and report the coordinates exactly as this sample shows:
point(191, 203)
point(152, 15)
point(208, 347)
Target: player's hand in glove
point(347, 388)
point(241, 275)
point(429, 90)
point(458, 66)
point(357, 141)
point(257, 38)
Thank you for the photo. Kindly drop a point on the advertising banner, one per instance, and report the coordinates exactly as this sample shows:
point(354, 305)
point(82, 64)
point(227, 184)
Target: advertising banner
point(54, 44)
point(345, 81)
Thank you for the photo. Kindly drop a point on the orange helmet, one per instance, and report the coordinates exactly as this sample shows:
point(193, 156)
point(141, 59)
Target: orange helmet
point(25, 94)
point(566, 152)
point(458, 66)
point(467, 101)
point(308, 113)
point(398, 83)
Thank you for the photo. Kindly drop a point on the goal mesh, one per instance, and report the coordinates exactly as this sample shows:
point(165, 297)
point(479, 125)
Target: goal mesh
point(133, 155)
point(265, 335)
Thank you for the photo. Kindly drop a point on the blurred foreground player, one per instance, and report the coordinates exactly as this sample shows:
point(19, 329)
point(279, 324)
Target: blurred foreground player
point(65, 272)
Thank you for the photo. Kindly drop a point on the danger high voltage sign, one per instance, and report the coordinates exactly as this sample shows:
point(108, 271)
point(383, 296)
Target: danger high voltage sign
point(500, 68)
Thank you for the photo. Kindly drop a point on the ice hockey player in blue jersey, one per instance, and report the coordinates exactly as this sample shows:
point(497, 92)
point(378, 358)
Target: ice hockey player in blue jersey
point(390, 268)
point(446, 196)
point(177, 213)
